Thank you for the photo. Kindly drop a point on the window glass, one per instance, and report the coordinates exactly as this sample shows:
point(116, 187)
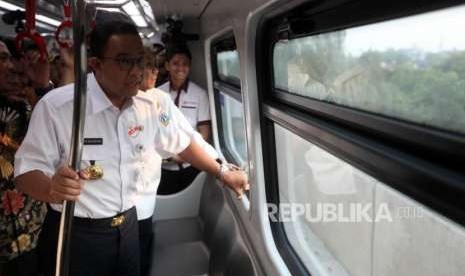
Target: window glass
point(411, 68)
point(313, 183)
point(228, 64)
point(341, 221)
point(232, 116)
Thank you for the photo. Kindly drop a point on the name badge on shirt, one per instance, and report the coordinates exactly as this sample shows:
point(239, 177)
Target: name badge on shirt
point(189, 104)
point(93, 141)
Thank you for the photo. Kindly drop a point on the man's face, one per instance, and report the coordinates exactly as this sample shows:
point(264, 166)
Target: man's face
point(120, 70)
point(5, 66)
point(55, 67)
point(150, 78)
point(178, 67)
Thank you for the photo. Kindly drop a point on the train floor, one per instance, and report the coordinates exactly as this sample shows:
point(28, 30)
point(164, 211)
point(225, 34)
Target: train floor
point(208, 244)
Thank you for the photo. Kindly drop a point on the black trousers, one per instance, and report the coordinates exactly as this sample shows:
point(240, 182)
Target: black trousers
point(97, 248)
point(27, 264)
point(146, 240)
point(172, 182)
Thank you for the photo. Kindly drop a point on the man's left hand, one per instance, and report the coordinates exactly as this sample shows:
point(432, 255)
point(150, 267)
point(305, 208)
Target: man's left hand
point(237, 180)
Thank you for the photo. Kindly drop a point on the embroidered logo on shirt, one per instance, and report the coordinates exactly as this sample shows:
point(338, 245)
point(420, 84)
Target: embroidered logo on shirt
point(133, 131)
point(164, 118)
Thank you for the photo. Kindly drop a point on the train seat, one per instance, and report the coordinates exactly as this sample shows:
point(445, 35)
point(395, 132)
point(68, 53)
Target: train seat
point(208, 244)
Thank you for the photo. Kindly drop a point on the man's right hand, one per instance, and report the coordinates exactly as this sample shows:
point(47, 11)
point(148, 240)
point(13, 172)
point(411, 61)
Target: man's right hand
point(66, 185)
point(37, 70)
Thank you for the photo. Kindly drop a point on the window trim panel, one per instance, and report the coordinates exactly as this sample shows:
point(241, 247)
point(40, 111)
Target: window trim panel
point(233, 152)
point(444, 143)
point(324, 13)
point(224, 149)
point(227, 85)
point(225, 42)
point(230, 81)
point(263, 57)
point(286, 250)
point(229, 90)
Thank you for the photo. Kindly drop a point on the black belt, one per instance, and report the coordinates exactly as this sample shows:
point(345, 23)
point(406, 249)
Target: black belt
point(115, 221)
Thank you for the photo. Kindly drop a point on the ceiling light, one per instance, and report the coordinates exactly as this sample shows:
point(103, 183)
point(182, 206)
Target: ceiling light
point(107, 2)
point(9, 6)
point(44, 19)
point(147, 9)
point(109, 9)
point(131, 9)
point(139, 20)
point(150, 35)
point(48, 34)
point(45, 26)
point(48, 20)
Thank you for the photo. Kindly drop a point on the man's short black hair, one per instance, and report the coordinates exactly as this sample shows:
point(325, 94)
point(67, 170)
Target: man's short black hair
point(182, 50)
point(103, 31)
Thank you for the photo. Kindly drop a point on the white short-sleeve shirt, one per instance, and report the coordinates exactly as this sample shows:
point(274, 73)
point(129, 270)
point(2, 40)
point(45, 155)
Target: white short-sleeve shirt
point(194, 105)
point(145, 206)
point(122, 142)
point(193, 102)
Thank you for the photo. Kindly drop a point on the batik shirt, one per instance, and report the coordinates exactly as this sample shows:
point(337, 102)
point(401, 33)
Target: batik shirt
point(21, 216)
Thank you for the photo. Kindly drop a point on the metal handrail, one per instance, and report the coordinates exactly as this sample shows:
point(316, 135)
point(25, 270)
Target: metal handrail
point(80, 92)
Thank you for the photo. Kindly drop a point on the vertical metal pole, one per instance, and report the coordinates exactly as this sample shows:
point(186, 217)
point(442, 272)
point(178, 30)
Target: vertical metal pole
point(77, 136)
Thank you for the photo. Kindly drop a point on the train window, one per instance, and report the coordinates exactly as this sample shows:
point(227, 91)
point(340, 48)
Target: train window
point(228, 65)
point(228, 99)
point(358, 99)
point(411, 68)
point(233, 130)
point(312, 182)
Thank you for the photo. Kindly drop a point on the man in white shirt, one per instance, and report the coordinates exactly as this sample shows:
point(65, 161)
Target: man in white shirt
point(145, 206)
point(123, 130)
point(193, 103)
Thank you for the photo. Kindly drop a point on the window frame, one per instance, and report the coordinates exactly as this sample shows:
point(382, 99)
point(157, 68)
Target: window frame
point(222, 43)
point(227, 85)
point(386, 148)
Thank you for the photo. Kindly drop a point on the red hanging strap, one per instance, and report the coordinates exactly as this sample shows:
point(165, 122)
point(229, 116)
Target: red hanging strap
point(30, 31)
point(66, 24)
point(31, 15)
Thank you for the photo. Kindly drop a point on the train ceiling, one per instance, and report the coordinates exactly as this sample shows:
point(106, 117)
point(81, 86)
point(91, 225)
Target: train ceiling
point(50, 12)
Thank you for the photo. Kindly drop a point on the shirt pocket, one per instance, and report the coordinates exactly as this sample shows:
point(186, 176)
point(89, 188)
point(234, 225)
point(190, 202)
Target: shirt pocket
point(190, 114)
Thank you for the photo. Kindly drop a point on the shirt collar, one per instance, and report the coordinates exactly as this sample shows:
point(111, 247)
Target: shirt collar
point(147, 95)
point(184, 87)
point(98, 99)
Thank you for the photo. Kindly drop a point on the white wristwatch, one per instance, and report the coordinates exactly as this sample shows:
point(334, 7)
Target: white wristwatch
point(223, 169)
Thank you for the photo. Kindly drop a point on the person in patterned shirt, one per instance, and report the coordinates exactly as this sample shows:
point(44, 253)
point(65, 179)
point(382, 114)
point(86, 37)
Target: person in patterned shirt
point(21, 216)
